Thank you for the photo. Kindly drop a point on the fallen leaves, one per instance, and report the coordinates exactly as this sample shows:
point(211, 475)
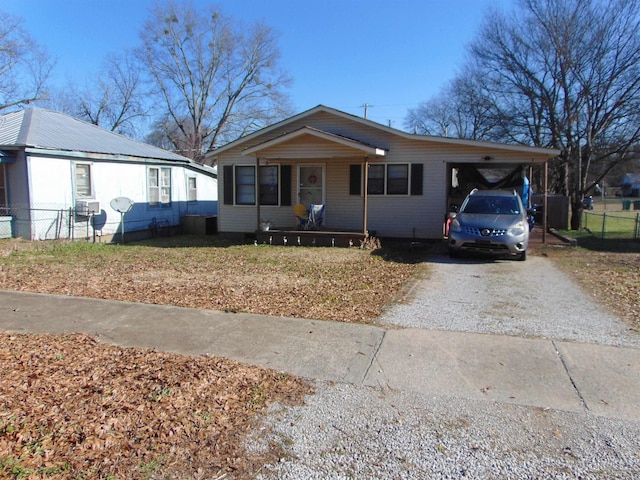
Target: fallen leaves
point(613, 278)
point(71, 407)
point(349, 285)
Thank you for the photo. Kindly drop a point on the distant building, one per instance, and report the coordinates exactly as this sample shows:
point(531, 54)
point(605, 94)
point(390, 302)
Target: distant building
point(630, 185)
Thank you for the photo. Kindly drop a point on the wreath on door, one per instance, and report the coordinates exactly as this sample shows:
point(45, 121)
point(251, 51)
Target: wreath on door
point(312, 179)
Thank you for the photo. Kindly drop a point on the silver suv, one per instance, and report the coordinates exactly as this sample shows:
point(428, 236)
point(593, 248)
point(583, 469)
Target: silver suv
point(492, 222)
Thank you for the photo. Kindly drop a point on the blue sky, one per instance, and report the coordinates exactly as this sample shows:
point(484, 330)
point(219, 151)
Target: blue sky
point(390, 54)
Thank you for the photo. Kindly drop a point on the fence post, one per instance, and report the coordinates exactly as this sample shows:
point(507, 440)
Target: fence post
point(604, 222)
point(636, 233)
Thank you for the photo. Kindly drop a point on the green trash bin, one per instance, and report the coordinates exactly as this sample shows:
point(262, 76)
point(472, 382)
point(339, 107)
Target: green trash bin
point(626, 204)
point(636, 204)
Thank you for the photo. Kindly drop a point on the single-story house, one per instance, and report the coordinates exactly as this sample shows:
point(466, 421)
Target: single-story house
point(631, 185)
point(371, 178)
point(60, 178)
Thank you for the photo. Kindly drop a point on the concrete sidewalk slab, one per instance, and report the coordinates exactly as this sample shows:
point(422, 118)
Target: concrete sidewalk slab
point(542, 373)
point(608, 378)
point(314, 349)
point(488, 367)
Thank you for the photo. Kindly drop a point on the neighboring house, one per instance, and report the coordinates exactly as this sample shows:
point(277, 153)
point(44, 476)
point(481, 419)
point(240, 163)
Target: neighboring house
point(320, 157)
point(631, 185)
point(59, 176)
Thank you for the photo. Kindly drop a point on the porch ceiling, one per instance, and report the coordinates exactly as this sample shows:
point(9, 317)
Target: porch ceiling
point(285, 145)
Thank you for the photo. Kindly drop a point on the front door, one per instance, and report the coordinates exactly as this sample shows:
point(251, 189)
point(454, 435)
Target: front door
point(311, 185)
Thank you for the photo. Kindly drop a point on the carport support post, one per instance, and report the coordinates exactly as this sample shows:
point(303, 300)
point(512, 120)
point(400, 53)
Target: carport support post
point(366, 196)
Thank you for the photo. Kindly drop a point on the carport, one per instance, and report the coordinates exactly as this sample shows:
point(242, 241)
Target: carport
point(490, 173)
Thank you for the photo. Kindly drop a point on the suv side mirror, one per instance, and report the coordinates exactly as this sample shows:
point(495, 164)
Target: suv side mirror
point(453, 208)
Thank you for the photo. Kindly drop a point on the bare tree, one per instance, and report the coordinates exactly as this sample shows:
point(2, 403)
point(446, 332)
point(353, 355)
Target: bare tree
point(460, 111)
point(571, 73)
point(25, 66)
point(114, 99)
point(562, 74)
point(216, 81)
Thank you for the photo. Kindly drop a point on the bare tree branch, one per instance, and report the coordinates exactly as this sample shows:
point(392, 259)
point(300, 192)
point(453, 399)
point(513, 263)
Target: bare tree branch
point(214, 79)
point(25, 66)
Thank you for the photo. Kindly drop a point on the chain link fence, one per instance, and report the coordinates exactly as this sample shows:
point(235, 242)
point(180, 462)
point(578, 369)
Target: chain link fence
point(54, 222)
point(615, 221)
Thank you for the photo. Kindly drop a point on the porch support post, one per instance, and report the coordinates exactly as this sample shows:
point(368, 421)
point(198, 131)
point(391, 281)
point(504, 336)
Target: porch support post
point(257, 180)
point(365, 201)
point(544, 203)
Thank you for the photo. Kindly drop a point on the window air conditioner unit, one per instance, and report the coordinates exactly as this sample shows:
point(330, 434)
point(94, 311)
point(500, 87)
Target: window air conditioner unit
point(84, 208)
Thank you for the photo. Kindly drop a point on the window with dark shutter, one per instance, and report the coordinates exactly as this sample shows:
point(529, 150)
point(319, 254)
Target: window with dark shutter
point(285, 185)
point(355, 179)
point(227, 181)
point(416, 178)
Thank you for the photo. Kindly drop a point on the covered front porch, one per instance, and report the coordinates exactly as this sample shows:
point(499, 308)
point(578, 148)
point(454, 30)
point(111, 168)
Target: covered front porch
point(321, 165)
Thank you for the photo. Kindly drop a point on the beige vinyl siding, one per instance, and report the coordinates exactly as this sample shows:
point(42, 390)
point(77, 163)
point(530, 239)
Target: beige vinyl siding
point(388, 215)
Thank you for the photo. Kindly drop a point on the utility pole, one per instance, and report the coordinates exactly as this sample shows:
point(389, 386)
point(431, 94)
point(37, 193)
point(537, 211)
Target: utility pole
point(366, 109)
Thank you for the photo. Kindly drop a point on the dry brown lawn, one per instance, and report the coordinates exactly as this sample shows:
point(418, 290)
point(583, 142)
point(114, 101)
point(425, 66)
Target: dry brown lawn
point(71, 407)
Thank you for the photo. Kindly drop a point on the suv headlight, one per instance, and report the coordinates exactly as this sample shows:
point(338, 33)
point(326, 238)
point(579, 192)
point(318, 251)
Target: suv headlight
point(455, 226)
point(518, 229)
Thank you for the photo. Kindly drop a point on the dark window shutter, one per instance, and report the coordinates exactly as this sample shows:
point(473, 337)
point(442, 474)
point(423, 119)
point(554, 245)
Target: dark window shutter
point(416, 178)
point(285, 185)
point(227, 179)
point(355, 179)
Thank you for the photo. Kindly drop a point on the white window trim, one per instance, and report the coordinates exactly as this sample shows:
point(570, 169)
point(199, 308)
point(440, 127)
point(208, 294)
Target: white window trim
point(75, 180)
point(278, 186)
point(386, 180)
point(195, 190)
point(235, 186)
point(160, 203)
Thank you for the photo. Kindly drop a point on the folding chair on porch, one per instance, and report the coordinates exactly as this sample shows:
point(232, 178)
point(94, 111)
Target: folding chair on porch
point(316, 216)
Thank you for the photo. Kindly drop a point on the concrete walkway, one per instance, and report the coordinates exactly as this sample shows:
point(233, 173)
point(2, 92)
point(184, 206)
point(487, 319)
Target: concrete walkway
point(543, 373)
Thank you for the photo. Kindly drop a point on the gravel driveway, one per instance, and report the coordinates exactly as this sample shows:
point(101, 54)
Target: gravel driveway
point(351, 431)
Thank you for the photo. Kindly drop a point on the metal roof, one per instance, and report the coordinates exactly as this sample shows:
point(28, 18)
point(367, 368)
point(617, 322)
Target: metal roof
point(50, 130)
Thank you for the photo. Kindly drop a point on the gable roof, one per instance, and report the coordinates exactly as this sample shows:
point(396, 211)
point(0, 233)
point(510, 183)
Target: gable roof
point(317, 133)
point(412, 136)
point(50, 130)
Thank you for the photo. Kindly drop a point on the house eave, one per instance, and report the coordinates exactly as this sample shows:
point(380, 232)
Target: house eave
point(99, 156)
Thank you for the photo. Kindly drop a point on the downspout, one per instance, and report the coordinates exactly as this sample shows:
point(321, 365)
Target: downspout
point(365, 201)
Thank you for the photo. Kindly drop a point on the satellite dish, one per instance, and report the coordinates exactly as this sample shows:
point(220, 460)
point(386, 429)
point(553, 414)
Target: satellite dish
point(121, 204)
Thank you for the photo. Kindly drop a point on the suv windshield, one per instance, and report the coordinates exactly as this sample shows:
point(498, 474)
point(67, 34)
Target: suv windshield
point(491, 205)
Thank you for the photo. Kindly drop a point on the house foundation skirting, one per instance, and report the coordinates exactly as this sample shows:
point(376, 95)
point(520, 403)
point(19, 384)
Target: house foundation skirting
point(308, 238)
